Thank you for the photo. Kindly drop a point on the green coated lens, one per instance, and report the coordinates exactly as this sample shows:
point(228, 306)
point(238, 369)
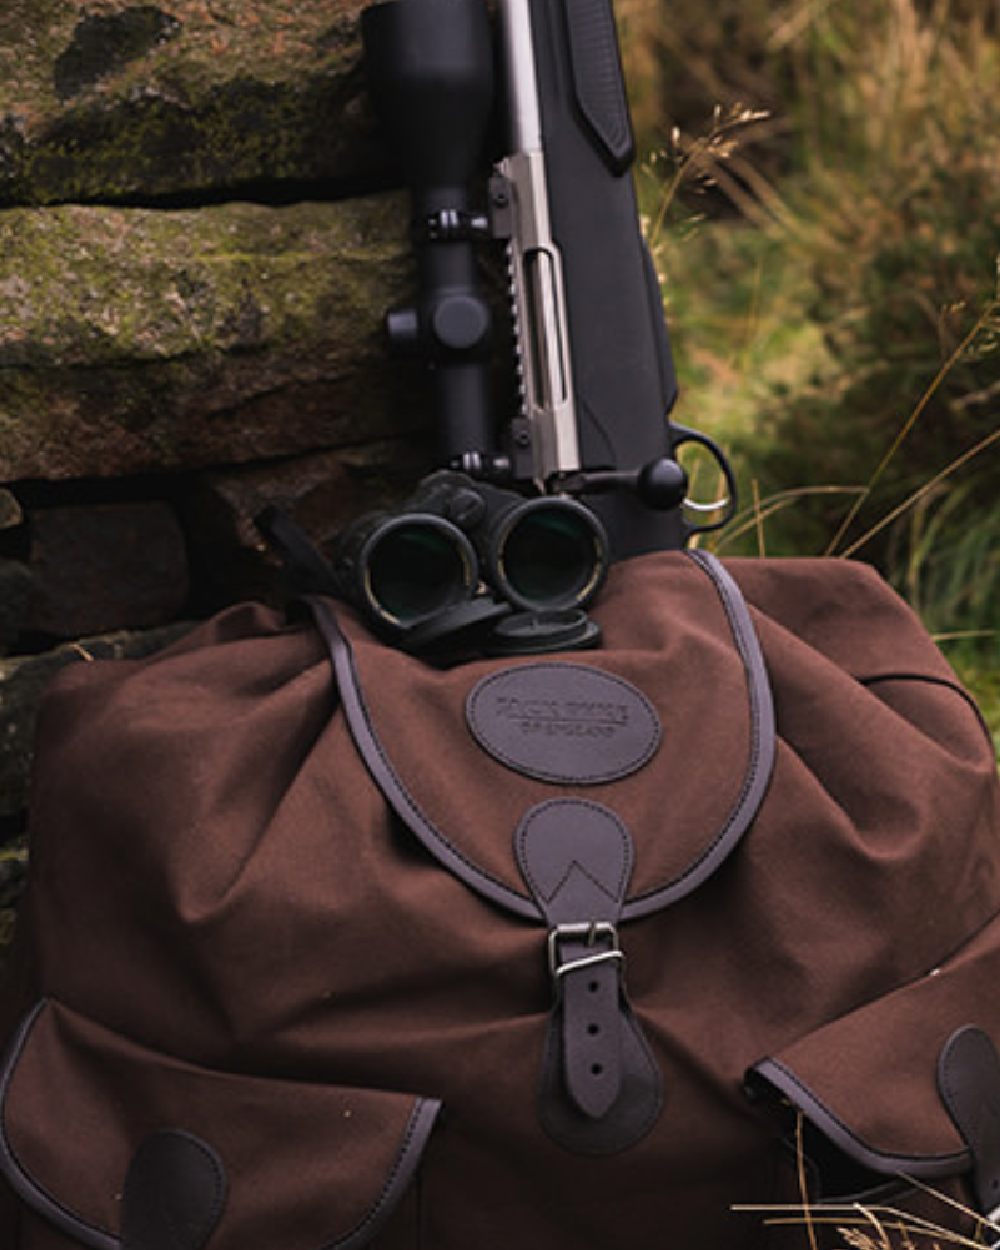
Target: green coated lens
point(552, 557)
point(417, 567)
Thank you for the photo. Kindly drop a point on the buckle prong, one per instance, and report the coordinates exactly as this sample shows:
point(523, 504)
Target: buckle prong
point(590, 931)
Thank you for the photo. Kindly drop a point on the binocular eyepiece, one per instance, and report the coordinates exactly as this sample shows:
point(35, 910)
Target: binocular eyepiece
point(431, 555)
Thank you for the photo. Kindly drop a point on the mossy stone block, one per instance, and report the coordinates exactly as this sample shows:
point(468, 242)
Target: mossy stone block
point(132, 101)
point(134, 340)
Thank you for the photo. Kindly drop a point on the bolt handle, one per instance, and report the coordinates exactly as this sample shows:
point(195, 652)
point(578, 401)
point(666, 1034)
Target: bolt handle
point(660, 485)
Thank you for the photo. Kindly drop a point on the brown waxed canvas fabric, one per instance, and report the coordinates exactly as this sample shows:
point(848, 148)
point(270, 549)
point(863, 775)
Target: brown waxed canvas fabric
point(230, 932)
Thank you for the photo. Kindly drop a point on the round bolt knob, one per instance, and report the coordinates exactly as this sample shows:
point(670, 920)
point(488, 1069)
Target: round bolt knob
point(662, 484)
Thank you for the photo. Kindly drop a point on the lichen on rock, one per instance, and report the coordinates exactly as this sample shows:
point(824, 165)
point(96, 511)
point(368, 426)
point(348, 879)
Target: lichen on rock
point(128, 101)
point(134, 339)
point(103, 44)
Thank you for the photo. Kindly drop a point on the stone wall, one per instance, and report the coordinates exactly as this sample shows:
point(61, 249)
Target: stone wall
point(198, 239)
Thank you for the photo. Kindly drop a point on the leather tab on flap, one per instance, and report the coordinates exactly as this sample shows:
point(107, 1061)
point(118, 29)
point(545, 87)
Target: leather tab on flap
point(969, 1084)
point(576, 858)
point(175, 1190)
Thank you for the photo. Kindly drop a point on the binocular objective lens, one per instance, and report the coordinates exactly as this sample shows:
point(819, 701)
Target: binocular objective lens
point(552, 556)
point(416, 567)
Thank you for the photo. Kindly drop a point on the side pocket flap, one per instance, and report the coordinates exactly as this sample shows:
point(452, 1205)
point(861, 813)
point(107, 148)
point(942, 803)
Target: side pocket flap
point(868, 1081)
point(304, 1166)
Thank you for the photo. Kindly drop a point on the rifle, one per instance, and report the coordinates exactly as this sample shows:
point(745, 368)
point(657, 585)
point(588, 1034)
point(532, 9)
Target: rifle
point(594, 368)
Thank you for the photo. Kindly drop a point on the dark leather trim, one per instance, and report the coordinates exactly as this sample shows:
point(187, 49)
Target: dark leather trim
point(388, 781)
point(930, 679)
point(969, 1085)
point(418, 1130)
point(773, 1073)
point(755, 783)
point(26, 1188)
point(174, 1195)
point(763, 743)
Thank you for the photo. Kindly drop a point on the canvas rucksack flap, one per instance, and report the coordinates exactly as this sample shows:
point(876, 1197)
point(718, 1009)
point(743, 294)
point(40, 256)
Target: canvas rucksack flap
point(92, 1142)
point(681, 678)
point(903, 1090)
point(782, 822)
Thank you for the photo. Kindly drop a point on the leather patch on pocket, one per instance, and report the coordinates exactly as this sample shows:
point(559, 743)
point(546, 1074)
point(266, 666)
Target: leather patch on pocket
point(564, 723)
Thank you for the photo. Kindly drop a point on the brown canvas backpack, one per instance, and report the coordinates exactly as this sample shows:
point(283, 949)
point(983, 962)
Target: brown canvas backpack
point(327, 947)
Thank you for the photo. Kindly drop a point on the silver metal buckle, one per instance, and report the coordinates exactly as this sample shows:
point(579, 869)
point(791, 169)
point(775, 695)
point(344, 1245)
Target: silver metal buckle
point(591, 930)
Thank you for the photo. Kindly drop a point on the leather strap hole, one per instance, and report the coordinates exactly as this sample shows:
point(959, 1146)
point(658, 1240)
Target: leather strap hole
point(594, 986)
point(593, 1029)
point(596, 1069)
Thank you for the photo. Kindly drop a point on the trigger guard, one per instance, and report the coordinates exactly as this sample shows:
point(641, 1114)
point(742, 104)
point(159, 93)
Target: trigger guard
point(683, 434)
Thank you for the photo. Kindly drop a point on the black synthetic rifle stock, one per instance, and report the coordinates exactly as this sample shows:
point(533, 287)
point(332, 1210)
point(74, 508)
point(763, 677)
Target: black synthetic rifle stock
point(595, 372)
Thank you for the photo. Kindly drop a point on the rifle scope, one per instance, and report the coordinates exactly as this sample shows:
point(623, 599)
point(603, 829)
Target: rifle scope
point(430, 70)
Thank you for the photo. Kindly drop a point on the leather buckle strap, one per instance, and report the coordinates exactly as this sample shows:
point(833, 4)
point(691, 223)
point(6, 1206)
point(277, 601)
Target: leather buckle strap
point(591, 1010)
point(591, 932)
point(600, 1088)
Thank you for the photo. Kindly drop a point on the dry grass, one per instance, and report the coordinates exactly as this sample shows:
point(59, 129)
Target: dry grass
point(876, 1226)
point(841, 332)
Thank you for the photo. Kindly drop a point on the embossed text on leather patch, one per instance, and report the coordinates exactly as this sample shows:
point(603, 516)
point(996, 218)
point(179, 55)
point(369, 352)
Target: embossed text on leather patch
point(564, 723)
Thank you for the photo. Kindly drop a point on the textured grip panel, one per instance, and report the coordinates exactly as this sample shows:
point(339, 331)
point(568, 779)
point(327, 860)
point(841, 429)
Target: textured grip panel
point(598, 78)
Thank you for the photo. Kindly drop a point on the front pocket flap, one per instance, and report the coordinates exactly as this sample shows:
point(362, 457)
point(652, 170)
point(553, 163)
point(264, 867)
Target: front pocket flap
point(681, 680)
point(868, 1080)
point(307, 1166)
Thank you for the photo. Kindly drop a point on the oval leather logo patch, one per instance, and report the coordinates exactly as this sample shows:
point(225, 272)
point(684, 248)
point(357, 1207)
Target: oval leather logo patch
point(564, 723)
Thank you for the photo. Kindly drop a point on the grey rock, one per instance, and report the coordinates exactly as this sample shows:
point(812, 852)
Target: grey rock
point(321, 493)
point(135, 341)
point(125, 101)
point(102, 567)
point(11, 513)
point(16, 585)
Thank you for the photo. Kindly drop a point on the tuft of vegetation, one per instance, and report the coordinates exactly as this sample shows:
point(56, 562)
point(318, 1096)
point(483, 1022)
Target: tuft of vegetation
point(830, 251)
point(920, 1217)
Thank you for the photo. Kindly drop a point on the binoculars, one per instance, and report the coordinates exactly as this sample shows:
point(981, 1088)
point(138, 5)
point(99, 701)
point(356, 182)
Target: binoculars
point(407, 568)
